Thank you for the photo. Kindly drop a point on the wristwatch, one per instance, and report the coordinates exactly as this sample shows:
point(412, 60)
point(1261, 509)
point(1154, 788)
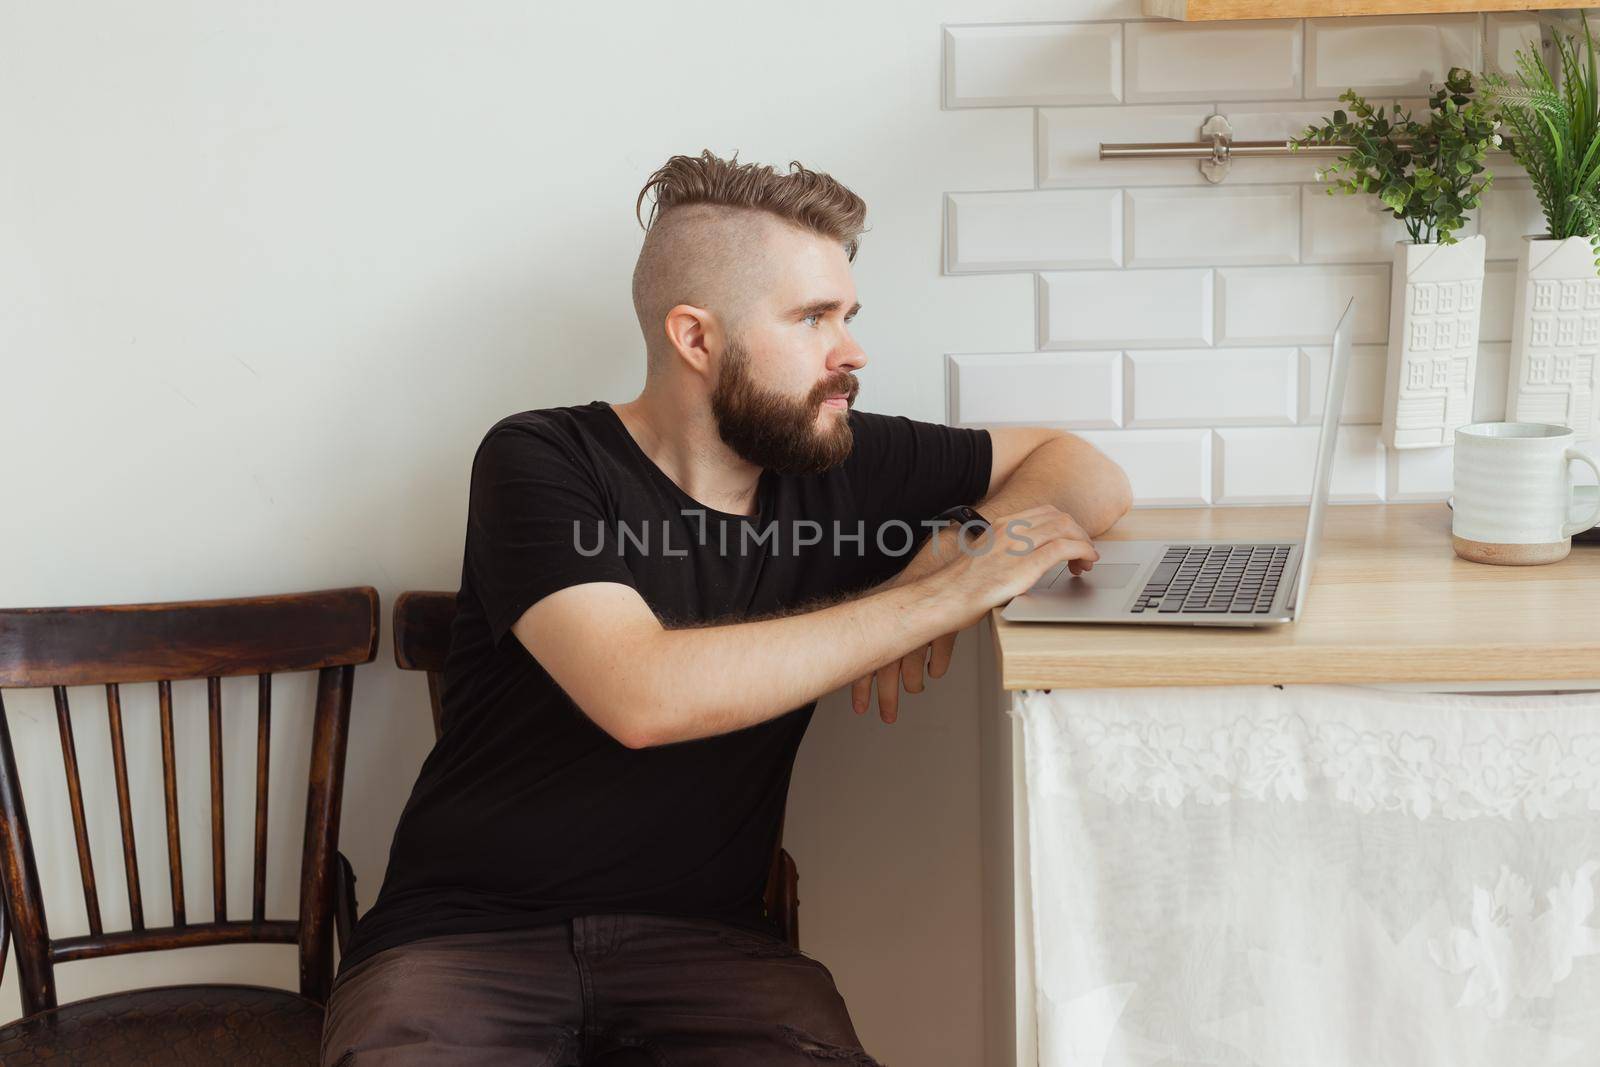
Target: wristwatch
point(966, 519)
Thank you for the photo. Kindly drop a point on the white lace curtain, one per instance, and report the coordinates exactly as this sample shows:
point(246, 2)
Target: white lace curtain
point(1314, 876)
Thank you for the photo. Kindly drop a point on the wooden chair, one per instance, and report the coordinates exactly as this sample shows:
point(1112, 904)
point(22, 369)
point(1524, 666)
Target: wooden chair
point(113, 645)
point(422, 623)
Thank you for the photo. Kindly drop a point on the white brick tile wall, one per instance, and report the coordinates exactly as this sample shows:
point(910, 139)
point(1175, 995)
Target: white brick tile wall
point(1503, 163)
point(1265, 465)
point(1207, 225)
point(1133, 308)
point(1489, 384)
point(1342, 228)
point(1209, 61)
point(998, 144)
point(1301, 305)
point(1070, 138)
point(1510, 212)
point(1066, 389)
point(1086, 10)
point(1420, 473)
point(1505, 34)
point(1217, 387)
point(1170, 468)
point(1499, 290)
point(1388, 56)
point(1031, 64)
point(1363, 386)
point(1033, 230)
point(1182, 326)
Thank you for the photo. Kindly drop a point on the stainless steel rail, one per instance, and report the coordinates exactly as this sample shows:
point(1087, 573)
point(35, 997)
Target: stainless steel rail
point(1215, 154)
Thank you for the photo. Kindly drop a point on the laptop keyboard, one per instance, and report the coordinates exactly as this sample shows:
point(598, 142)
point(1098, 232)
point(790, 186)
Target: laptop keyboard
point(1224, 579)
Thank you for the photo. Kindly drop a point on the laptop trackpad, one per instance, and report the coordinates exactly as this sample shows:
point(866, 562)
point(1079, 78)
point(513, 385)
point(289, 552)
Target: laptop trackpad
point(1103, 576)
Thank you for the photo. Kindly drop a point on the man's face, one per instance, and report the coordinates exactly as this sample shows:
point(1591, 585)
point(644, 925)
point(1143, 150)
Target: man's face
point(784, 387)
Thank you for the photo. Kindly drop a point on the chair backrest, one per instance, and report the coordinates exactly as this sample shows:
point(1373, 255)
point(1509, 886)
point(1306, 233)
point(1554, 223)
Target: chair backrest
point(328, 631)
point(422, 621)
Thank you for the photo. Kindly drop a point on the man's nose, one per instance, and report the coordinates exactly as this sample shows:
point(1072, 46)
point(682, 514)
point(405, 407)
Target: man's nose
point(849, 355)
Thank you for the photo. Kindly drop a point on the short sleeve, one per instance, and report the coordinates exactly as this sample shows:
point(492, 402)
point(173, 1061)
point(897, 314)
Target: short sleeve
point(537, 522)
point(908, 470)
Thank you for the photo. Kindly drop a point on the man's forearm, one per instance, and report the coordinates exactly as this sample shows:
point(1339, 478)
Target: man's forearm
point(699, 682)
point(1092, 489)
point(1070, 474)
point(1050, 474)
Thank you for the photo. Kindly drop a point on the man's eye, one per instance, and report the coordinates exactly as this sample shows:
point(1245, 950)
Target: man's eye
point(812, 320)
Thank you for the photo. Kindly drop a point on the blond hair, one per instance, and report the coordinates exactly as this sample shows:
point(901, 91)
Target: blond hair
point(805, 198)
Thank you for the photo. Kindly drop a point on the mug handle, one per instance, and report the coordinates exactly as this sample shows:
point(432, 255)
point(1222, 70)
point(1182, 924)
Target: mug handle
point(1594, 517)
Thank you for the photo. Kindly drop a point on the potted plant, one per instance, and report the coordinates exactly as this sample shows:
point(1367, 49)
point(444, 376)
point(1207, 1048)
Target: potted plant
point(1555, 326)
point(1429, 175)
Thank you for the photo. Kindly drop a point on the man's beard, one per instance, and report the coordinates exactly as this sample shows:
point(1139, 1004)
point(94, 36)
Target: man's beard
point(775, 431)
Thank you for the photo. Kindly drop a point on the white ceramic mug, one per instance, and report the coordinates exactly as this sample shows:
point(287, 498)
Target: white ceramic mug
point(1513, 492)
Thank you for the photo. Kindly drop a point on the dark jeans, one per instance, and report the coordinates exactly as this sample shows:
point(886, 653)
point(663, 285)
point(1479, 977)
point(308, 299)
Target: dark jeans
point(652, 990)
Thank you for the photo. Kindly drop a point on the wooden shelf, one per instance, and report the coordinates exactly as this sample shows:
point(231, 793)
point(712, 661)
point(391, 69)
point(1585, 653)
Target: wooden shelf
point(1216, 10)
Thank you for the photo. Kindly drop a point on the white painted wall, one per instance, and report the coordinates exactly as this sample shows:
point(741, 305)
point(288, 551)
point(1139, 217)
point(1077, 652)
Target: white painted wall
point(267, 273)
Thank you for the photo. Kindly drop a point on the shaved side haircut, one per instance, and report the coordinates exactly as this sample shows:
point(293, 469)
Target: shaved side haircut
point(703, 234)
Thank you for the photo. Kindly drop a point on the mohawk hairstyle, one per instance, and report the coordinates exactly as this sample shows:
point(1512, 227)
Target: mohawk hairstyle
point(806, 198)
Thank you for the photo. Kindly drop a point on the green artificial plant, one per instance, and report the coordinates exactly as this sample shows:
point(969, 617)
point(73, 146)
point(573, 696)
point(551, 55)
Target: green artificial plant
point(1556, 133)
point(1428, 174)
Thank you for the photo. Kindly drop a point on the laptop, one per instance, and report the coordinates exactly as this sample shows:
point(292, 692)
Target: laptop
point(1199, 582)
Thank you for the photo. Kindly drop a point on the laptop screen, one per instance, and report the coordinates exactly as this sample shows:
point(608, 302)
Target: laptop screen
point(1332, 406)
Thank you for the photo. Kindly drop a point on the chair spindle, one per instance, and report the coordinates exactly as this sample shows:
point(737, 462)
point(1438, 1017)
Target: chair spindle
point(219, 874)
point(69, 759)
point(258, 911)
point(169, 778)
point(119, 766)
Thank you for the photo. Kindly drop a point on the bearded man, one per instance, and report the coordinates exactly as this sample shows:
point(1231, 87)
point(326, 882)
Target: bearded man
point(653, 597)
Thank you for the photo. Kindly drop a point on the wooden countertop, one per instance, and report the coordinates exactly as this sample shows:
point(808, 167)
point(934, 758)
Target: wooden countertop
point(1389, 602)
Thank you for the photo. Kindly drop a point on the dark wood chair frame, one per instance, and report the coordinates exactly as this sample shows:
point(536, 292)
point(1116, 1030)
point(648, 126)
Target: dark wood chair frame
point(328, 631)
point(422, 621)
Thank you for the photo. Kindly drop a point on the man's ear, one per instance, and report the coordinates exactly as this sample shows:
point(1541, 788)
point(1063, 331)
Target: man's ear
point(692, 331)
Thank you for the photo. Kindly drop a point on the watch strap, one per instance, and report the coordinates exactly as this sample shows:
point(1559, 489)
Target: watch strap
point(964, 516)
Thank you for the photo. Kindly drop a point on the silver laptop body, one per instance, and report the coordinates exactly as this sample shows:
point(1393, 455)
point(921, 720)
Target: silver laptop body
point(1196, 582)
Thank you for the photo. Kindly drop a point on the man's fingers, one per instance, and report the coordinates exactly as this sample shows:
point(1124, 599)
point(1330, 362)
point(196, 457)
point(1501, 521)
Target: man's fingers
point(908, 672)
point(1057, 551)
point(1046, 536)
point(861, 694)
point(1048, 528)
point(911, 669)
point(889, 691)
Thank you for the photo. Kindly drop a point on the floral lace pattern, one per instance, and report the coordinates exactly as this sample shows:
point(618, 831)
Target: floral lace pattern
point(1313, 877)
point(1512, 953)
point(1281, 758)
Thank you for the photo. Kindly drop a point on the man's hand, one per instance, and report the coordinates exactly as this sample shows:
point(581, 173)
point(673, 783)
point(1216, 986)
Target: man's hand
point(933, 659)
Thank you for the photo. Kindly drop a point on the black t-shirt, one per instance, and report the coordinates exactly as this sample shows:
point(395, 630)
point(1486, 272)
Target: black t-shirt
point(525, 811)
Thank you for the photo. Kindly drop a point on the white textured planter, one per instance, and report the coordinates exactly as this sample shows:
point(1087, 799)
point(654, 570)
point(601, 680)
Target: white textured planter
point(1436, 298)
point(1555, 335)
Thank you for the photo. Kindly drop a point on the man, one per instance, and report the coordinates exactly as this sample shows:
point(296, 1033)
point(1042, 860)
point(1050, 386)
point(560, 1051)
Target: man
point(653, 597)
